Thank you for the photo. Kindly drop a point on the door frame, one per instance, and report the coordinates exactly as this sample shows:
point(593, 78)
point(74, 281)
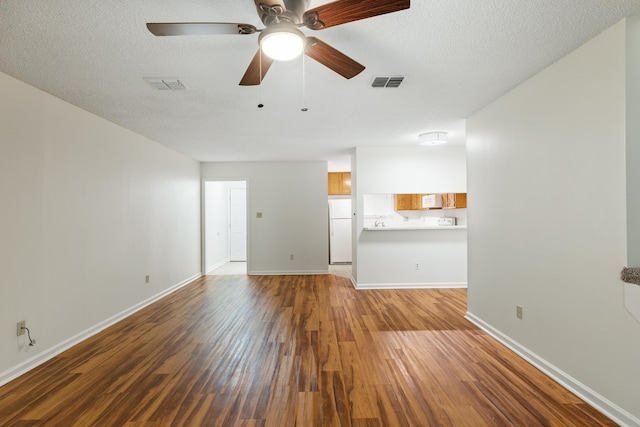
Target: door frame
point(233, 242)
point(203, 221)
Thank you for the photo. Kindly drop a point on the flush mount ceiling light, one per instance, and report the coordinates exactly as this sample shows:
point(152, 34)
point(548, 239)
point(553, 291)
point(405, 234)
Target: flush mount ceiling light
point(282, 42)
point(433, 138)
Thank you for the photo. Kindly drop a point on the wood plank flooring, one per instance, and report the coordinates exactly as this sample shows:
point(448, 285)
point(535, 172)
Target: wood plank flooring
point(292, 351)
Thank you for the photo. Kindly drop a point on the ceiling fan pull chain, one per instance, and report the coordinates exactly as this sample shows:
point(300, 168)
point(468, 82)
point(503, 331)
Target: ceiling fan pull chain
point(260, 105)
point(304, 86)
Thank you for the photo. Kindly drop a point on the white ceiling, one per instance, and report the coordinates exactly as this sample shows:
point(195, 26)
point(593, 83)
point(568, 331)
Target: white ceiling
point(456, 56)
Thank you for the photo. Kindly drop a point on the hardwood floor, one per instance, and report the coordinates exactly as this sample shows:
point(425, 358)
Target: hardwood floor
point(292, 351)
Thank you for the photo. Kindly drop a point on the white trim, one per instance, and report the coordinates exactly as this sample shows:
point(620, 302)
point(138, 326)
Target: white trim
point(203, 243)
point(50, 353)
point(353, 282)
point(286, 272)
point(217, 265)
point(410, 285)
point(350, 278)
point(599, 402)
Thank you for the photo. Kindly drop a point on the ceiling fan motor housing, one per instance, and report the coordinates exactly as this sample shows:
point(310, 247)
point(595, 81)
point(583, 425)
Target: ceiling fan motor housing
point(281, 11)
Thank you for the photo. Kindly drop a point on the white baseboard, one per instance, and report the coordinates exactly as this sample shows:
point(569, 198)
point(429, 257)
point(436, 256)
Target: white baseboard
point(50, 353)
point(217, 265)
point(353, 282)
point(285, 272)
point(410, 285)
point(594, 399)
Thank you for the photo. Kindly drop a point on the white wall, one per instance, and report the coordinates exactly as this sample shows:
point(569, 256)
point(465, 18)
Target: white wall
point(437, 169)
point(633, 140)
point(292, 197)
point(632, 291)
point(388, 258)
point(88, 210)
point(546, 173)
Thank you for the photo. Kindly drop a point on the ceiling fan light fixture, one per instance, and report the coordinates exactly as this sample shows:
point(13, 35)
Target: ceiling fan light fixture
point(433, 138)
point(282, 43)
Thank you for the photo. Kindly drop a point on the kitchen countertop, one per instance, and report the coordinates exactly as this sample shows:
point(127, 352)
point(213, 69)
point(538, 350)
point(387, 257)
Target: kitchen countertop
point(416, 227)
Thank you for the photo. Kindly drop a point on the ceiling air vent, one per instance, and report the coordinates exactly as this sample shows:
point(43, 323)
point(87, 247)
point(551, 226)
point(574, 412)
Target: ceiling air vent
point(387, 81)
point(165, 83)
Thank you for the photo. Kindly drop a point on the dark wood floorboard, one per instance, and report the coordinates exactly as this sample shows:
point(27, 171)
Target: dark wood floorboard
point(262, 351)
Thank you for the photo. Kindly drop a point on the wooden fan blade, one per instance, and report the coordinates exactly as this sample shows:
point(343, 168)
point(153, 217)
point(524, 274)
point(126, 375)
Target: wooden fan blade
point(332, 58)
point(343, 11)
point(199, 28)
point(257, 69)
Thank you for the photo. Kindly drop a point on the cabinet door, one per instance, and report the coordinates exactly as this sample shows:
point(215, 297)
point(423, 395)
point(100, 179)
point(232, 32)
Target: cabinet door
point(334, 183)
point(461, 200)
point(403, 202)
point(448, 201)
point(416, 202)
point(339, 183)
point(345, 179)
point(454, 200)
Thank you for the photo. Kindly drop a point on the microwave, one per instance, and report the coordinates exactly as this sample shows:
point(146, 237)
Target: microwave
point(432, 201)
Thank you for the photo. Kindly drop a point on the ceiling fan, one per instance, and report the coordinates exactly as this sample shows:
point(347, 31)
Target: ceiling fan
point(282, 20)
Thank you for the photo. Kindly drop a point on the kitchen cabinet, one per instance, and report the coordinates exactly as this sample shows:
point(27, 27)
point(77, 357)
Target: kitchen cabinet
point(413, 202)
point(410, 202)
point(454, 200)
point(339, 183)
point(407, 202)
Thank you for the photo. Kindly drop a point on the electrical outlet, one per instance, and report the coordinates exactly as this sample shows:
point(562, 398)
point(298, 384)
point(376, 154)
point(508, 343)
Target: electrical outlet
point(146, 279)
point(417, 266)
point(20, 327)
point(519, 311)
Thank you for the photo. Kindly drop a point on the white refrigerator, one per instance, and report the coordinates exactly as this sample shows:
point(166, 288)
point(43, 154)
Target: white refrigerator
point(339, 231)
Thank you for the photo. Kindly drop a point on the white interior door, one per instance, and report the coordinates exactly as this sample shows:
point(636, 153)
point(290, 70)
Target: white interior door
point(237, 224)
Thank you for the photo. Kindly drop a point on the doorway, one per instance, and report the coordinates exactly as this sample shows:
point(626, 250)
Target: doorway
point(224, 227)
point(238, 224)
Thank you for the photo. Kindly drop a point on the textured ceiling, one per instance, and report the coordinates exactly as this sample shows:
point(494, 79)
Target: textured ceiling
point(457, 56)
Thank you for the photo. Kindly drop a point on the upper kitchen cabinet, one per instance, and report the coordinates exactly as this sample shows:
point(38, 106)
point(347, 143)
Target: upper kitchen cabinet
point(407, 202)
point(339, 183)
point(454, 200)
point(413, 202)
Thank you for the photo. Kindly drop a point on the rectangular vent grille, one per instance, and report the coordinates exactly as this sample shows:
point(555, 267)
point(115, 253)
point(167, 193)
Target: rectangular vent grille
point(387, 81)
point(380, 81)
point(165, 84)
